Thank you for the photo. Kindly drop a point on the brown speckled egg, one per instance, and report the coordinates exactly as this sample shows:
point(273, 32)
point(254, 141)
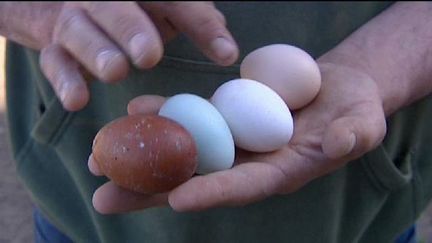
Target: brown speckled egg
point(145, 153)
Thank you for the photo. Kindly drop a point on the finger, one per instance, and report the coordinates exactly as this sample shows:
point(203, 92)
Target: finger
point(145, 104)
point(245, 183)
point(166, 29)
point(352, 136)
point(94, 167)
point(63, 74)
point(131, 28)
point(205, 25)
point(110, 199)
point(90, 46)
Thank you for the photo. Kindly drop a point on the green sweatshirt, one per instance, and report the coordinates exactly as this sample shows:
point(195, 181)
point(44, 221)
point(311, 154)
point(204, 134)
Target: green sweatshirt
point(372, 199)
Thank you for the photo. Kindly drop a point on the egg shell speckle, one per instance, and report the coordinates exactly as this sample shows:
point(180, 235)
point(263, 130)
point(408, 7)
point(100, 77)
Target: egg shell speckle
point(145, 153)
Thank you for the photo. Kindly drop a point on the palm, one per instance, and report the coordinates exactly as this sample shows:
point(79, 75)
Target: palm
point(321, 141)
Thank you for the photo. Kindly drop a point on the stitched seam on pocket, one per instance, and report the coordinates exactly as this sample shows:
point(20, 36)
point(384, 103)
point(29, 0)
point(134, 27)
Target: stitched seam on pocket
point(23, 151)
point(418, 193)
point(370, 172)
point(57, 135)
point(48, 129)
point(383, 174)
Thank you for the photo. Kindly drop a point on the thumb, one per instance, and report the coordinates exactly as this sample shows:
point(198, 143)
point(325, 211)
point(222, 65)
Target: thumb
point(351, 136)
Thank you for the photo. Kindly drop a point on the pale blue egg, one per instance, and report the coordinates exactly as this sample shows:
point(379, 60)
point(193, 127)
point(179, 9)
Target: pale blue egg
point(211, 133)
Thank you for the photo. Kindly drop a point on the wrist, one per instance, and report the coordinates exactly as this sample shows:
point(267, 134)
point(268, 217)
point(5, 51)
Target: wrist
point(394, 49)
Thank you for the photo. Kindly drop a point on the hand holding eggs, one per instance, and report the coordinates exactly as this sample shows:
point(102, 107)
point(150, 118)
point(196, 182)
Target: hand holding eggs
point(275, 79)
point(156, 153)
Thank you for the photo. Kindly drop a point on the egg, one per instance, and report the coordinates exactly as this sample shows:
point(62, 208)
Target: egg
point(215, 144)
point(258, 118)
point(145, 153)
point(287, 69)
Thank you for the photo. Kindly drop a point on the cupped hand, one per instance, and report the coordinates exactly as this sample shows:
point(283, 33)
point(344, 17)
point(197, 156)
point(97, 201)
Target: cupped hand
point(82, 40)
point(344, 121)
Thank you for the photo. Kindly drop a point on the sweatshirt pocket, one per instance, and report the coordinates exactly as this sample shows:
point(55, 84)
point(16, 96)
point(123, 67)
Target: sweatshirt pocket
point(52, 122)
point(387, 173)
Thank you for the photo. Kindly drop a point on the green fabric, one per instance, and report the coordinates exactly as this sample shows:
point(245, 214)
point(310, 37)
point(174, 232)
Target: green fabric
point(370, 200)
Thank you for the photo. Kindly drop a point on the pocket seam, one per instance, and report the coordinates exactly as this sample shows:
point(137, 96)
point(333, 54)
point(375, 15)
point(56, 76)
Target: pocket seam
point(50, 126)
point(383, 173)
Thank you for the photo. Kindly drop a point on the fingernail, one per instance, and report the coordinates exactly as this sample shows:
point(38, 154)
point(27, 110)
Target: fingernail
point(145, 51)
point(64, 91)
point(104, 58)
point(223, 49)
point(93, 166)
point(137, 44)
point(352, 142)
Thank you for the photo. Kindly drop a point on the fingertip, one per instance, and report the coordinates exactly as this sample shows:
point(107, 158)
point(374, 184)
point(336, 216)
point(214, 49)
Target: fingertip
point(112, 66)
point(98, 203)
point(224, 51)
point(74, 96)
point(146, 51)
point(145, 104)
point(339, 141)
point(351, 136)
point(339, 149)
point(94, 167)
point(64, 75)
point(206, 27)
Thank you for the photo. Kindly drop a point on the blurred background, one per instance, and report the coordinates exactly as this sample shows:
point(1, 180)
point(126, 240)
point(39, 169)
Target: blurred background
point(15, 207)
point(16, 222)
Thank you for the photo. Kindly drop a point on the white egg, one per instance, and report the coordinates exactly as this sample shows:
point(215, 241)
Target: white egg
point(288, 70)
point(259, 119)
point(211, 133)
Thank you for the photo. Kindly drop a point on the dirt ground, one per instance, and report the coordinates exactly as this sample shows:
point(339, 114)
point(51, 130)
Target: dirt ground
point(16, 208)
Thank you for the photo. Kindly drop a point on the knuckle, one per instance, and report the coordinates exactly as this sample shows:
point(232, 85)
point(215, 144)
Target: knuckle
point(175, 5)
point(123, 23)
point(56, 79)
point(209, 24)
point(67, 23)
point(221, 186)
point(44, 58)
point(48, 62)
point(127, 27)
point(93, 8)
point(221, 17)
point(381, 131)
point(369, 139)
point(281, 180)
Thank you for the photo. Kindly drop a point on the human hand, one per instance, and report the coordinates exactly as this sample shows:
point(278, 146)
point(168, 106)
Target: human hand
point(80, 39)
point(345, 121)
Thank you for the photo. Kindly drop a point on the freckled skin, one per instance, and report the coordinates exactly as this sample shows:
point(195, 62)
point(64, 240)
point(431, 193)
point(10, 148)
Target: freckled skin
point(160, 156)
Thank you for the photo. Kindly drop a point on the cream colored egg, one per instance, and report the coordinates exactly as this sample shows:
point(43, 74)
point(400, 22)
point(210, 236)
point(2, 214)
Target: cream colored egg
point(287, 69)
